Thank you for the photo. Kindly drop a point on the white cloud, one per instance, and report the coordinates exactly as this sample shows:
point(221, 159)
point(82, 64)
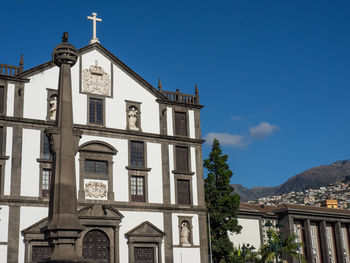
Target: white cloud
point(263, 130)
point(227, 139)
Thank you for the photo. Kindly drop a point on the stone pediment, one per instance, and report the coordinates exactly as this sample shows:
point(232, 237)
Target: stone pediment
point(98, 147)
point(145, 229)
point(35, 228)
point(100, 211)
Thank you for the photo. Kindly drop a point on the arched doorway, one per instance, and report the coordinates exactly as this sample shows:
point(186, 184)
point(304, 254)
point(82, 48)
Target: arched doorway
point(96, 246)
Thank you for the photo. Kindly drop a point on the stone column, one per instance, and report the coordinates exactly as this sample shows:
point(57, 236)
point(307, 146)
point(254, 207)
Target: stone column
point(308, 242)
point(63, 226)
point(324, 243)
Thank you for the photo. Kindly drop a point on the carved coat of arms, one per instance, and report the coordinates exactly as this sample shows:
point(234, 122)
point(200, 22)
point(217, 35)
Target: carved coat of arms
point(96, 80)
point(95, 189)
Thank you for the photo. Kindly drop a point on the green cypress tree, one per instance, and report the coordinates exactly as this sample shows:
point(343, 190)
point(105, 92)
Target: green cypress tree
point(222, 203)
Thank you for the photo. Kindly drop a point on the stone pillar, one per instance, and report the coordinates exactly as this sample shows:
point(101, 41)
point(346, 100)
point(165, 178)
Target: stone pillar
point(63, 226)
point(324, 243)
point(308, 242)
point(339, 241)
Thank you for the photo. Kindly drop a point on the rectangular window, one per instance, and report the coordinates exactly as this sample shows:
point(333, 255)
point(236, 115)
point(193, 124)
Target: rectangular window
point(95, 167)
point(95, 111)
point(137, 189)
point(180, 123)
point(183, 192)
point(45, 183)
point(136, 154)
point(181, 159)
point(46, 147)
point(2, 99)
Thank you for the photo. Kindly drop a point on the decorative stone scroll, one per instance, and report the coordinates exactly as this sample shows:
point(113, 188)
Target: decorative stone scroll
point(96, 80)
point(95, 189)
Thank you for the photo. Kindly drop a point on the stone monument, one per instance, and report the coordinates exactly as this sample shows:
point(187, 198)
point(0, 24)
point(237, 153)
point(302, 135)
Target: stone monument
point(63, 227)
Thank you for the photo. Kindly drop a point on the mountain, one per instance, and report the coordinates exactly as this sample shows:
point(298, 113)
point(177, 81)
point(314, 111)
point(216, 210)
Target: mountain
point(313, 178)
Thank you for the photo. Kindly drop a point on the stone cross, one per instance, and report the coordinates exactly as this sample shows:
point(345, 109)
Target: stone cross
point(94, 19)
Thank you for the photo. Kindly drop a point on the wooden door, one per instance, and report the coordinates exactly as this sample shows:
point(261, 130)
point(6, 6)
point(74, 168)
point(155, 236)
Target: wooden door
point(144, 254)
point(96, 246)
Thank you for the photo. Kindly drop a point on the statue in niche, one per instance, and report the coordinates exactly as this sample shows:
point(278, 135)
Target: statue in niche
point(53, 106)
point(133, 115)
point(185, 234)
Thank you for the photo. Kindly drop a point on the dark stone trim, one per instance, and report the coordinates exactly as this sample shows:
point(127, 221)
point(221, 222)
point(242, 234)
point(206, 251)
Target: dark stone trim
point(165, 174)
point(197, 124)
point(120, 205)
point(13, 234)
point(168, 238)
point(163, 119)
point(199, 176)
point(138, 168)
point(16, 161)
point(101, 131)
point(191, 106)
point(184, 173)
point(203, 237)
point(3, 243)
point(14, 78)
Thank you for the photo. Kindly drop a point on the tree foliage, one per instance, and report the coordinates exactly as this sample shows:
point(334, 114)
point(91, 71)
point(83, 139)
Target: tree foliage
point(222, 203)
point(289, 246)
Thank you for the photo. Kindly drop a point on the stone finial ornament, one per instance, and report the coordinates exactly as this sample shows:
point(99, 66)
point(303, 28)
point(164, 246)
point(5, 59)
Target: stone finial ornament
point(65, 53)
point(159, 85)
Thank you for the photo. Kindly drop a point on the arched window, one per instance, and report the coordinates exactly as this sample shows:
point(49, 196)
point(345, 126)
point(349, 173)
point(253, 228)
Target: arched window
point(96, 246)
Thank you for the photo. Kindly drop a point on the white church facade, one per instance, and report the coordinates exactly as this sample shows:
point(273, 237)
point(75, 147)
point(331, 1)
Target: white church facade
point(139, 171)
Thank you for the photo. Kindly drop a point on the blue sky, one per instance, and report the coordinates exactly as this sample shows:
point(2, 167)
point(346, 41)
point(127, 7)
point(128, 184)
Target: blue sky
point(273, 75)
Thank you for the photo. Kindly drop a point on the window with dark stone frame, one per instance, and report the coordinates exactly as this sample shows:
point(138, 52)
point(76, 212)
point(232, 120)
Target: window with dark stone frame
point(180, 123)
point(137, 154)
point(45, 182)
point(2, 99)
point(137, 189)
point(95, 111)
point(183, 192)
point(46, 147)
point(95, 167)
point(181, 159)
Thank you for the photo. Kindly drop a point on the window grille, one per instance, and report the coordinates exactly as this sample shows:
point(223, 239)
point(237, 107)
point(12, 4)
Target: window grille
point(95, 167)
point(45, 183)
point(180, 123)
point(137, 189)
point(137, 154)
point(182, 159)
point(183, 192)
point(95, 111)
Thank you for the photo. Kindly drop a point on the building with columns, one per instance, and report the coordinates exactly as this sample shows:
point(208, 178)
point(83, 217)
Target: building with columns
point(139, 172)
point(325, 232)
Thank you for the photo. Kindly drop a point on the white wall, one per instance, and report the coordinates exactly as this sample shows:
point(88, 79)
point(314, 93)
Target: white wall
point(30, 175)
point(191, 124)
point(10, 99)
point(169, 113)
point(155, 176)
point(250, 233)
point(187, 255)
point(7, 183)
point(35, 93)
point(171, 168)
point(79, 100)
point(132, 219)
point(194, 177)
point(4, 220)
point(29, 216)
point(3, 253)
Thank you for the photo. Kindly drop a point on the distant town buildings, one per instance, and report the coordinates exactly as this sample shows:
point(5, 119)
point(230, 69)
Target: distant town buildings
point(324, 196)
